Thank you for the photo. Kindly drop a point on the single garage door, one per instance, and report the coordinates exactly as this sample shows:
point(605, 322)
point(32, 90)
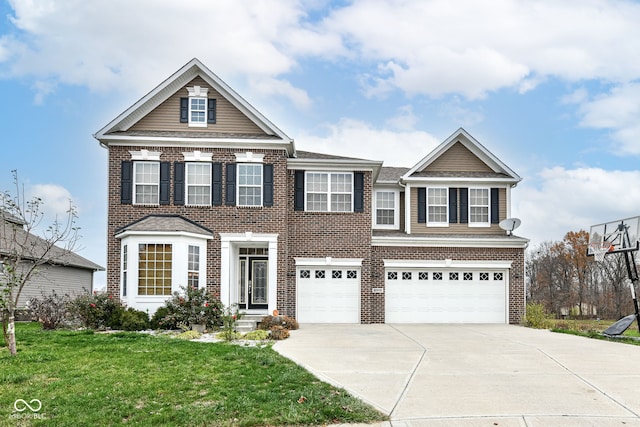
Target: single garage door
point(328, 295)
point(445, 296)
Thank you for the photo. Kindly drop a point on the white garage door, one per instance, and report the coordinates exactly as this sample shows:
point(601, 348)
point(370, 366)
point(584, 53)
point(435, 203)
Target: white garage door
point(328, 295)
point(445, 296)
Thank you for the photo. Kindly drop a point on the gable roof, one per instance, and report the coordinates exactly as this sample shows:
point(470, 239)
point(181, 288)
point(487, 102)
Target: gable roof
point(117, 128)
point(495, 168)
point(10, 225)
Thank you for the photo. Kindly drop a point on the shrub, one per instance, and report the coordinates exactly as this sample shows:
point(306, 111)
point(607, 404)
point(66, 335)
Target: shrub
point(97, 310)
point(229, 322)
point(191, 307)
point(257, 335)
point(286, 322)
point(158, 320)
point(134, 320)
point(536, 317)
point(50, 310)
point(279, 333)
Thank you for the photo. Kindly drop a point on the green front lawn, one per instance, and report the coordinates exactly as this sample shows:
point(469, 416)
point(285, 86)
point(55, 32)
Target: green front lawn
point(86, 378)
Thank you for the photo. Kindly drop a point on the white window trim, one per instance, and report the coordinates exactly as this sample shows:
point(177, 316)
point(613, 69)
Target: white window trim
point(396, 209)
point(247, 186)
point(438, 224)
point(198, 92)
point(249, 157)
point(329, 174)
point(186, 184)
point(145, 155)
point(480, 224)
point(197, 156)
point(180, 243)
point(135, 183)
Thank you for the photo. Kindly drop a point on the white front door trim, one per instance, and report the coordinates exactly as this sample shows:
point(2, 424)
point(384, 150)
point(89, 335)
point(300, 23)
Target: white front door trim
point(229, 246)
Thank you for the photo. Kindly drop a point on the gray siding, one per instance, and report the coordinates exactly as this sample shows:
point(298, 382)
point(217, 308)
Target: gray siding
point(64, 280)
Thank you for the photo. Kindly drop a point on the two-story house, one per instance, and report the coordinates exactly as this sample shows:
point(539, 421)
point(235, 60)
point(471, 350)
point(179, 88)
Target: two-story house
point(205, 191)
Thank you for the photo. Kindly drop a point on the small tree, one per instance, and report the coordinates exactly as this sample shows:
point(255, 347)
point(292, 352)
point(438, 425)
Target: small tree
point(22, 252)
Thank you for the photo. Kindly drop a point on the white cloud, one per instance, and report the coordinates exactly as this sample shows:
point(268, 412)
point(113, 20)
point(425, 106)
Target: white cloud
point(560, 200)
point(354, 138)
point(617, 111)
point(56, 200)
point(121, 45)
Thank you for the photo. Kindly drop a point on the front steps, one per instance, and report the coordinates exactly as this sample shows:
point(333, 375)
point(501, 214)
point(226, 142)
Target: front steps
point(248, 322)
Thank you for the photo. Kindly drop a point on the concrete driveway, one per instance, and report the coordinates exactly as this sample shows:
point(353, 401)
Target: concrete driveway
point(475, 375)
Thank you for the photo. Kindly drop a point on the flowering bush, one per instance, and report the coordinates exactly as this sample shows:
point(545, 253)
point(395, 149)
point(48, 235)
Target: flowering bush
point(97, 311)
point(50, 310)
point(230, 319)
point(190, 307)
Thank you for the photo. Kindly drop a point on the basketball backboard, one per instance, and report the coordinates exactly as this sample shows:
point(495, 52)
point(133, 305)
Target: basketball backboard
point(621, 234)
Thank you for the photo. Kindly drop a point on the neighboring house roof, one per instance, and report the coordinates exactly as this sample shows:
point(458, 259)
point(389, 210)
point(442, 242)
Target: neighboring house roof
point(496, 169)
point(164, 223)
point(390, 175)
point(37, 245)
point(119, 128)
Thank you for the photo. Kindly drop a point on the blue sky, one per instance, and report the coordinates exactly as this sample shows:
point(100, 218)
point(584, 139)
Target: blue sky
point(552, 88)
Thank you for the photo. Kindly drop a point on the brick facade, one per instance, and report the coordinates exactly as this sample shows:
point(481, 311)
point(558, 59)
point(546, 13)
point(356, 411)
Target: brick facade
point(301, 234)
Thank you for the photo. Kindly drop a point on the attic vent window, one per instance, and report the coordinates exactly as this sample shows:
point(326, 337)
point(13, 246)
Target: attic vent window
point(198, 110)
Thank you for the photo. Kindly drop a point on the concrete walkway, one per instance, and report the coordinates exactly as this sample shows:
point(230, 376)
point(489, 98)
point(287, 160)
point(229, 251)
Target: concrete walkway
point(475, 375)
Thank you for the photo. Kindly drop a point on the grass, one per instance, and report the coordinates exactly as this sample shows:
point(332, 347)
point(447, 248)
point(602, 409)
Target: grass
point(85, 378)
point(594, 329)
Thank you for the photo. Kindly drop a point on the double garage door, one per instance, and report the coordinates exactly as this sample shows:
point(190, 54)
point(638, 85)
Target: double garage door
point(423, 295)
point(412, 295)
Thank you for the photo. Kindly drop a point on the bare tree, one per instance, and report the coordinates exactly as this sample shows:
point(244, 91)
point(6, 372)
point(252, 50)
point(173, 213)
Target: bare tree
point(22, 252)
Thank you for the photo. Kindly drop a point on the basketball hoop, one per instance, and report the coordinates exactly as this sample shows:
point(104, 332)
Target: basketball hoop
point(600, 249)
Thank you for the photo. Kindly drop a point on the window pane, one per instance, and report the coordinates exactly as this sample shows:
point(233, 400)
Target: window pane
point(479, 205)
point(250, 185)
point(385, 207)
point(154, 276)
point(147, 182)
point(198, 110)
point(341, 203)
point(437, 205)
point(317, 202)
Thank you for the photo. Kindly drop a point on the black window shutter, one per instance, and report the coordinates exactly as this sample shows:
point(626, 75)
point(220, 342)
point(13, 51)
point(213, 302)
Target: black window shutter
point(453, 205)
point(422, 205)
point(358, 192)
point(495, 206)
point(178, 183)
point(216, 184)
point(211, 110)
point(298, 200)
point(267, 185)
point(464, 205)
point(184, 110)
point(126, 182)
point(231, 184)
point(165, 182)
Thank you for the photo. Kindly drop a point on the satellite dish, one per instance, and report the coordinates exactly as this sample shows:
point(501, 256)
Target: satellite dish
point(510, 224)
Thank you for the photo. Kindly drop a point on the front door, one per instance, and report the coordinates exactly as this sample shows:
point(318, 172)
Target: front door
point(253, 286)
